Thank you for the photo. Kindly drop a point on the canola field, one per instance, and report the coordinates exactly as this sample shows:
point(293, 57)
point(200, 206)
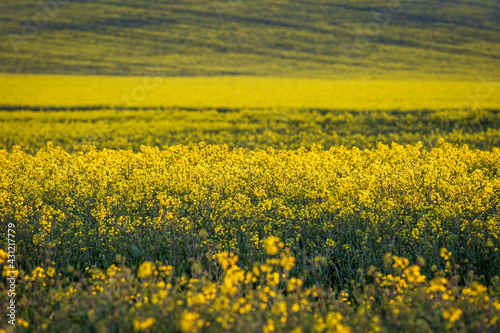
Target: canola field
point(189, 210)
point(46, 92)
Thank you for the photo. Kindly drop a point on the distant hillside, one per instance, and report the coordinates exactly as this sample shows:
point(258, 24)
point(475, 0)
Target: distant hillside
point(318, 38)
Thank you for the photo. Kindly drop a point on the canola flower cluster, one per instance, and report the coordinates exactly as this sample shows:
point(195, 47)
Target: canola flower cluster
point(206, 238)
point(264, 297)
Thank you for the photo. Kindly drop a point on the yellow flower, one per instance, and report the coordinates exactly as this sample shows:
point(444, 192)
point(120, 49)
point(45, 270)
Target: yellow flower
point(51, 271)
point(226, 259)
point(145, 269)
point(330, 243)
point(191, 322)
point(38, 272)
point(287, 262)
point(452, 315)
point(269, 326)
point(270, 245)
point(445, 254)
point(293, 283)
point(143, 325)
point(22, 322)
point(273, 278)
point(3, 256)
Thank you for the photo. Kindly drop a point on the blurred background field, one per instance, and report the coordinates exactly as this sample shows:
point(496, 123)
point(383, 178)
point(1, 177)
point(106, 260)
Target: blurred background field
point(457, 40)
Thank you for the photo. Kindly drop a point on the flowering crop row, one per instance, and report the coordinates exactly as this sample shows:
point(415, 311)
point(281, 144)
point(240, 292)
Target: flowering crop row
point(326, 217)
point(251, 129)
point(348, 205)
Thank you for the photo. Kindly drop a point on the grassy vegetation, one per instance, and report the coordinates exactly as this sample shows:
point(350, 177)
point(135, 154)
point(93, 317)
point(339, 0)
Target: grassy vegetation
point(426, 38)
